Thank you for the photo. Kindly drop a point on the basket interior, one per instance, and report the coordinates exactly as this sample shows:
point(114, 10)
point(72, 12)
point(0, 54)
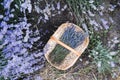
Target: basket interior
point(71, 37)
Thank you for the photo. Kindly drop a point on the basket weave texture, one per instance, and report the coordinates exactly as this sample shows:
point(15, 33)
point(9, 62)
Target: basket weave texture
point(72, 53)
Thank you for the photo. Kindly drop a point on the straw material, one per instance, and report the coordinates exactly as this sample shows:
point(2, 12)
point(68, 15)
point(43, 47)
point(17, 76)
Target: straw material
point(73, 53)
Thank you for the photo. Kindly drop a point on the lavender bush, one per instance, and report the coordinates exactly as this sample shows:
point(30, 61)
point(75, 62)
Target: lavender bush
point(21, 36)
point(15, 43)
point(92, 13)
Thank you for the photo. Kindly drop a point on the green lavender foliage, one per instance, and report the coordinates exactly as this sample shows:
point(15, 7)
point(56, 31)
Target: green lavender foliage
point(2, 78)
point(78, 6)
point(118, 55)
point(70, 37)
point(94, 38)
point(3, 61)
point(102, 58)
point(58, 54)
point(100, 54)
point(17, 13)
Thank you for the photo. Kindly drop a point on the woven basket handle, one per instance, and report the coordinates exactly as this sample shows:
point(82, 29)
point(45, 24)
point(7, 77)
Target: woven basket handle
point(64, 45)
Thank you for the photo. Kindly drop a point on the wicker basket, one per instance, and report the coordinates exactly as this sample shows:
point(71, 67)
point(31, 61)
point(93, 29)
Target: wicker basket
point(74, 53)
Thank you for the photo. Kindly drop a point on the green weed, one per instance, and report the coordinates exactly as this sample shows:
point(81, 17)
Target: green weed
point(102, 58)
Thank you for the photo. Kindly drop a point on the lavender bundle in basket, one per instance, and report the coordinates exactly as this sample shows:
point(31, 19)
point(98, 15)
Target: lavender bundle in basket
point(70, 37)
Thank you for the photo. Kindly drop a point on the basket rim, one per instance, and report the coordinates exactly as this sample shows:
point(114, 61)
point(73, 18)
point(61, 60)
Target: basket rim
point(83, 47)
